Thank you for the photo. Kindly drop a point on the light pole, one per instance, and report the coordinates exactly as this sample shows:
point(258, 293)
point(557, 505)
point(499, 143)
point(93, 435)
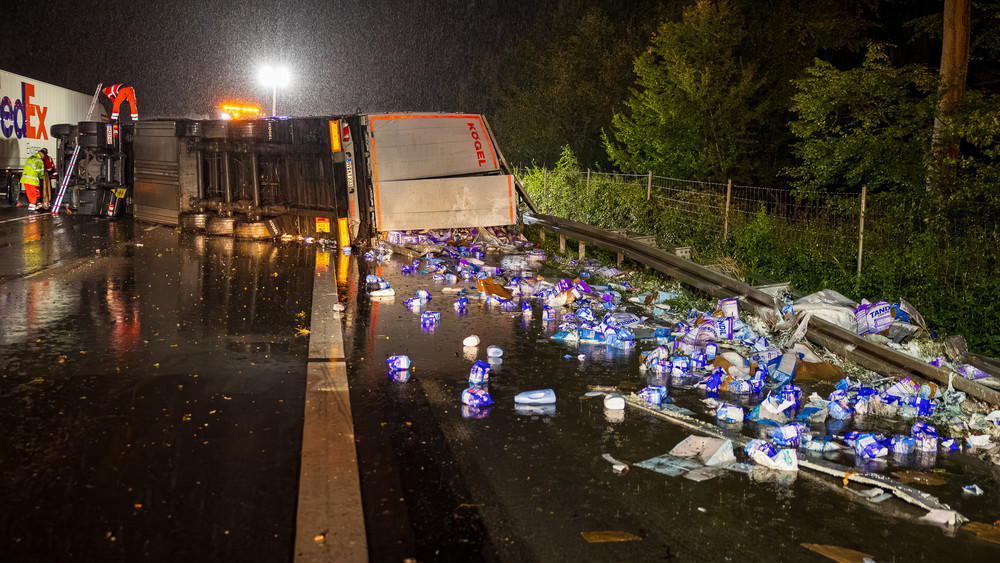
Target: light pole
point(274, 77)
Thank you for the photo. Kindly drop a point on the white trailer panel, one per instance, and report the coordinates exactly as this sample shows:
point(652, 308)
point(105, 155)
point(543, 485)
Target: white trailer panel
point(28, 108)
point(410, 146)
point(441, 203)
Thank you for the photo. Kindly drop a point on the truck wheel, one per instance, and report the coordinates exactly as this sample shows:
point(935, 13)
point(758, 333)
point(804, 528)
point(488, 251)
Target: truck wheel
point(13, 189)
point(63, 130)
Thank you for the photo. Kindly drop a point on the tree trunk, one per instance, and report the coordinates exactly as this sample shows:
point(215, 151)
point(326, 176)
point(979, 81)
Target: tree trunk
point(954, 69)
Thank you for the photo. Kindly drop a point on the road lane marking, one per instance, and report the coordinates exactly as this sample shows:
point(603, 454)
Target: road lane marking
point(329, 525)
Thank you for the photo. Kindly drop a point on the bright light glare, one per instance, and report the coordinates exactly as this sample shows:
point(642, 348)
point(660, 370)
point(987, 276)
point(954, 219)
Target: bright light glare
point(274, 76)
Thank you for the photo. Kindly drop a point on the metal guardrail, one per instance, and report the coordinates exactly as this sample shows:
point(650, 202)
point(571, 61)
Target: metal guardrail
point(842, 342)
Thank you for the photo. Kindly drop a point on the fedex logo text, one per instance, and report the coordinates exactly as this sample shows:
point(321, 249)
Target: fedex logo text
point(16, 116)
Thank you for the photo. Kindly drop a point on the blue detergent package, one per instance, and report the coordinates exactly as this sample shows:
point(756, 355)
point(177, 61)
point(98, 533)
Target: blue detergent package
point(925, 437)
point(480, 373)
point(791, 393)
point(476, 397)
point(757, 445)
point(729, 413)
point(902, 444)
point(840, 410)
point(788, 435)
point(398, 362)
point(868, 446)
point(653, 394)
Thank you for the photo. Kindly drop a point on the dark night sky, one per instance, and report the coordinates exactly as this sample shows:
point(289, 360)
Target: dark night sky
point(185, 57)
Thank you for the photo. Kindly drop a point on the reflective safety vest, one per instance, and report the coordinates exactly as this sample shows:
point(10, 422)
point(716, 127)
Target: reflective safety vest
point(34, 167)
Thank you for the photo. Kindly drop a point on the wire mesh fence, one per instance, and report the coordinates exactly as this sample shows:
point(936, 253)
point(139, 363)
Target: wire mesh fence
point(943, 259)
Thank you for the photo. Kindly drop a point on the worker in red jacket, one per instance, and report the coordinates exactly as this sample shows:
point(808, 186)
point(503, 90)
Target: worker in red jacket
point(47, 177)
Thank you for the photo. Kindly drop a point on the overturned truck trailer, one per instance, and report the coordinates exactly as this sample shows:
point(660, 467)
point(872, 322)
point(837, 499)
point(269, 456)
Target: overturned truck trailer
point(353, 175)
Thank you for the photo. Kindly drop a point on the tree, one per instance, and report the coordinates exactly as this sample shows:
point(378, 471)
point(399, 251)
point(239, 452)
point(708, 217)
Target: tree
point(695, 107)
point(560, 85)
point(866, 125)
point(946, 149)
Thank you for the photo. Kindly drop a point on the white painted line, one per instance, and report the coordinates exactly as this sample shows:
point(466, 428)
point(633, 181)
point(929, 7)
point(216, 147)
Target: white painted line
point(329, 525)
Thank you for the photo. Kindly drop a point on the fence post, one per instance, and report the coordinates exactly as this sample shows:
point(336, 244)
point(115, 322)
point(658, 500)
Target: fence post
point(588, 177)
point(545, 183)
point(649, 186)
point(861, 228)
point(725, 225)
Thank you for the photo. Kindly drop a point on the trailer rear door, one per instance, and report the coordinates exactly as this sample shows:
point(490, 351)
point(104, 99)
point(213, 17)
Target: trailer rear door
point(437, 171)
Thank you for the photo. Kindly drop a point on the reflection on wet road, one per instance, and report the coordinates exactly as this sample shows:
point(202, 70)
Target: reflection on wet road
point(152, 391)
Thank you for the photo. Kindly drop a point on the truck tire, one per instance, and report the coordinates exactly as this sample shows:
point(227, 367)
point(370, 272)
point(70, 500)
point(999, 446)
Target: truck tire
point(91, 134)
point(63, 130)
point(13, 188)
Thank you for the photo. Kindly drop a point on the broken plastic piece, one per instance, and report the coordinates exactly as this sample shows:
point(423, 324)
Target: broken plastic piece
point(471, 341)
point(712, 452)
point(973, 489)
point(494, 352)
point(617, 466)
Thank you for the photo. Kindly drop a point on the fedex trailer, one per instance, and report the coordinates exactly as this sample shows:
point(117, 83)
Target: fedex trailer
point(28, 108)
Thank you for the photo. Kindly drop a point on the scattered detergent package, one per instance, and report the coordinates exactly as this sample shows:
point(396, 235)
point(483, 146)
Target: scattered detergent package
point(902, 444)
point(729, 306)
point(903, 388)
point(925, 437)
point(653, 394)
point(476, 397)
point(760, 446)
point(398, 362)
point(873, 318)
point(791, 393)
point(789, 434)
point(868, 446)
point(423, 294)
point(729, 413)
point(817, 444)
point(430, 318)
point(840, 409)
point(480, 373)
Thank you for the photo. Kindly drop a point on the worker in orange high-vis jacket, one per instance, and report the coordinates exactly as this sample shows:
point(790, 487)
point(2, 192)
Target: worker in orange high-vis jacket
point(31, 176)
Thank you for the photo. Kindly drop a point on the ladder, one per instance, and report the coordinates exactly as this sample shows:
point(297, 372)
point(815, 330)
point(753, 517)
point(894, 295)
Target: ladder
point(72, 161)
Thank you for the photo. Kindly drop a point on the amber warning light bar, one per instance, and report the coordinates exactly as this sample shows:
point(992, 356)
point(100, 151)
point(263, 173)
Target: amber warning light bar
point(236, 111)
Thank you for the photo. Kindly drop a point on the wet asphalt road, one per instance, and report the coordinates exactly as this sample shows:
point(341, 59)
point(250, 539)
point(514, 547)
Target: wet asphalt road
point(152, 397)
point(151, 392)
point(442, 484)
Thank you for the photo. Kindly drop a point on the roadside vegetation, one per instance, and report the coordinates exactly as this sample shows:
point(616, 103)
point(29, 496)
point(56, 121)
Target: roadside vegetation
point(823, 103)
